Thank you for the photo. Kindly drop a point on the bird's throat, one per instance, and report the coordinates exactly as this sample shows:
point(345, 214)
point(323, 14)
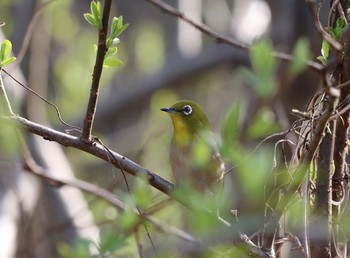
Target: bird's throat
point(182, 134)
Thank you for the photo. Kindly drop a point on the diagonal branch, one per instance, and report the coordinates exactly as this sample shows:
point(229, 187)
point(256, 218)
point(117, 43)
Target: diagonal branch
point(316, 19)
point(107, 196)
point(221, 38)
point(95, 149)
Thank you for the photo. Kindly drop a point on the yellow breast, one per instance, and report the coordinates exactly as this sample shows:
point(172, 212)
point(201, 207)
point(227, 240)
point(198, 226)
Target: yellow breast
point(182, 134)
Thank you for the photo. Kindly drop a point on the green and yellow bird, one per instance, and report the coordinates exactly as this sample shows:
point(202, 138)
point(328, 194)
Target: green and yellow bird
point(191, 130)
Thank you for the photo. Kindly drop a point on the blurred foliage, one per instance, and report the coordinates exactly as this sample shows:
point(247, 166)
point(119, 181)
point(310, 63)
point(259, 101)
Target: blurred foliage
point(301, 54)
point(220, 90)
point(149, 46)
point(80, 250)
point(264, 65)
point(263, 124)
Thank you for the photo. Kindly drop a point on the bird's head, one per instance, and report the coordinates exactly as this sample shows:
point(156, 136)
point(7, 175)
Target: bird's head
point(188, 119)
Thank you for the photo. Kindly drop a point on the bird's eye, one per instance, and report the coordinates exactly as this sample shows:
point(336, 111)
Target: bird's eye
point(187, 110)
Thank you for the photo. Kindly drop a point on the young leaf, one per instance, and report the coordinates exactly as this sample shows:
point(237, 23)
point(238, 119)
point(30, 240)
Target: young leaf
point(112, 62)
point(7, 61)
point(325, 49)
point(263, 62)
point(114, 27)
point(265, 66)
point(90, 19)
point(96, 12)
point(111, 51)
point(5, 51)
point(301, 54)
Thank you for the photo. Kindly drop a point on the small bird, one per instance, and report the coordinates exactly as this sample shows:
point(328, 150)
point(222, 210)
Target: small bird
point(191, 132)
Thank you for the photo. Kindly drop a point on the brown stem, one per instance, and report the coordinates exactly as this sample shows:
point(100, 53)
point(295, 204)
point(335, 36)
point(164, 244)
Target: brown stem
point(96, 76)
point(97, 150)
point(299, 175)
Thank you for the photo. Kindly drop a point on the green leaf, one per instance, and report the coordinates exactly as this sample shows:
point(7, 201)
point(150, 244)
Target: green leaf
point(5, 51)
point(90, 19)
point(7, 61)
point(142, 193)
point(112, 62)
point(301, 55)
point(117, 27)
point(263, 62)
point(264, 123)
point(122, 28)
point(79, 250)
point(111, 241)
point(340, 28)
point(114, 27)
point(264, 65)
point(325, 49)
point(111, 51)
point(96, 12)
point(322, 59)
point(231, 124)
point(264, 87)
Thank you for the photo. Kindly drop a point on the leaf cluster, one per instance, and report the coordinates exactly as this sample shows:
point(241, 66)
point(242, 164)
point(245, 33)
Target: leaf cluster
point(336, 33)
point(5, 51)
point(117, 27)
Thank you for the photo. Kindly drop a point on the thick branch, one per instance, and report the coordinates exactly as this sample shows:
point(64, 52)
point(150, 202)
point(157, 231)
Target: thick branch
point(95, 149)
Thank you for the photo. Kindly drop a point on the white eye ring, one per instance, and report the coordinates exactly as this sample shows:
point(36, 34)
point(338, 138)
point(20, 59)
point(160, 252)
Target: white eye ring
point(187, 110)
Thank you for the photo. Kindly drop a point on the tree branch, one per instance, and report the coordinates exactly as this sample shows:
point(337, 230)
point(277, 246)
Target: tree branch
point(299, 175)
point(96, 76)
point(95, 149)
point(221, 38)
point(107, 196)
point(5, 101)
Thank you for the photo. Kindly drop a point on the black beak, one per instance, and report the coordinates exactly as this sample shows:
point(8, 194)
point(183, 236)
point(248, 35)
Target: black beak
point(168, 110)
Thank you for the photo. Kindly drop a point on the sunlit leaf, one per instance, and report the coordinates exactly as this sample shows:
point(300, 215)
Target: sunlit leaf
point(112, 62)
point(6, 48)
point(90, 19)
point(7, 61)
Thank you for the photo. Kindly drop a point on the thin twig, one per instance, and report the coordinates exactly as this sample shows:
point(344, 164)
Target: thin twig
point(30, 30)
point(129, 191)
point(107, 196)
point(222, 38)
point(4, 97)
point(299, 175)
point(46, 101)
point(324, 35)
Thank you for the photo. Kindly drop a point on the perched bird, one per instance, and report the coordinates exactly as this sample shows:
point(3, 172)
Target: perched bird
point(194, 158)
